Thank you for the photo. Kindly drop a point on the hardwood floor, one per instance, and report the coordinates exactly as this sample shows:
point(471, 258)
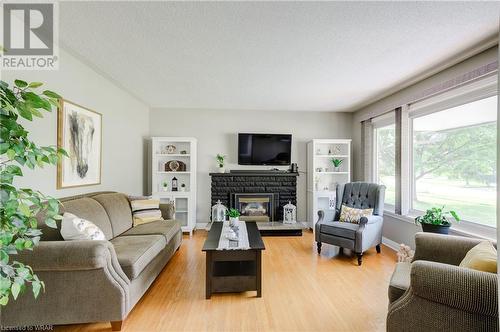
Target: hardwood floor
point(302, 291)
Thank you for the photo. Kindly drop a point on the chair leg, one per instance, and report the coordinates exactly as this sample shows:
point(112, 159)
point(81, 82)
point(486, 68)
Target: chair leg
point(378, 248)
point(341, 251)
point(116, 325)
point(318, 245)
point(360, 258)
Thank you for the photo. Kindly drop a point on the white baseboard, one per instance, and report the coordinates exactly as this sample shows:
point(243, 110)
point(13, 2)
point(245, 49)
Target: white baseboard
point(391, 244)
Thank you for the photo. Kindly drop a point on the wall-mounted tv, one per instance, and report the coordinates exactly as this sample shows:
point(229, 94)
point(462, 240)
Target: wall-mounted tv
point(264, 149)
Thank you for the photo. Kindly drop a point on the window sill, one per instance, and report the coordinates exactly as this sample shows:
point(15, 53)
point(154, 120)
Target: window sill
point(465, 228)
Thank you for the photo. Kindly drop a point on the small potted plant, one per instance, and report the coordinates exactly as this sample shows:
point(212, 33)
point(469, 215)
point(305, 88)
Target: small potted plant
point(233, 215)
point(220, 161)
point(437, 220)
point(183, 187)
point(336, 164)
point(165, 186)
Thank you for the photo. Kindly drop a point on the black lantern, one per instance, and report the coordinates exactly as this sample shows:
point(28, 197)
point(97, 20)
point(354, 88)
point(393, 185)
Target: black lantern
point(174, 184)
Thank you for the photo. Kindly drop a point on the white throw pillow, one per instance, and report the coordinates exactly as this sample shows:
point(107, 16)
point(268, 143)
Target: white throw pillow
point(74, 228)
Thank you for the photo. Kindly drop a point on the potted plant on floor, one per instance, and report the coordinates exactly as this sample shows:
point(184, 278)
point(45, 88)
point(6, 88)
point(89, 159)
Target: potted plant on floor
point(220, 161)
point(437, 220)
point(234, 216)
point(336, 164)
point(19, 206)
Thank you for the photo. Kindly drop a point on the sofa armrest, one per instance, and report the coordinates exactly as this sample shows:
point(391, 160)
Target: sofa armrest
point(167, 210)
point(456, 287)
point(67, 255)
point(446, 249)
point(83, 283)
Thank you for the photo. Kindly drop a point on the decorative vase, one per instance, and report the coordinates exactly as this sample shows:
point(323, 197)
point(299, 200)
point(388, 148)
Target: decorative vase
point(439, 229)
point(182, 189)
point(336, 169)
point(222, 169)
point(233, 221)
point(165, 189)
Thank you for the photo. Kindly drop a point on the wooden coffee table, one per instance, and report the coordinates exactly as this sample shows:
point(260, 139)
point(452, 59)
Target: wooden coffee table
point(233, 270)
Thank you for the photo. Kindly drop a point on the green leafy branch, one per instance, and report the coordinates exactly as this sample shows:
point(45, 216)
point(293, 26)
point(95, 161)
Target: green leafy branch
point(20, 206)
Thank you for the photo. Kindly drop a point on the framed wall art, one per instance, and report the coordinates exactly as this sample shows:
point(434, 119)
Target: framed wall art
point(79, 132)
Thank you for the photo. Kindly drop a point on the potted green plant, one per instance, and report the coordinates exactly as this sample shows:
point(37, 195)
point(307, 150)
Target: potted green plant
point(437, 220)
point(183, 187)
point(220, 162)
point(336, 164)
point(165, 186)
point(234, 216)
point(19, 206)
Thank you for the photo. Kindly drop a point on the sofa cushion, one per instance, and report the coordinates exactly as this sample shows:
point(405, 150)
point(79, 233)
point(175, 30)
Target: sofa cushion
point(74, 228)
point(483, 257)
point(118, 208)
point(353, 215)
point(400, 281)
point(91, 210)
point(167, 228)
point(336, 228)
point(134, 253)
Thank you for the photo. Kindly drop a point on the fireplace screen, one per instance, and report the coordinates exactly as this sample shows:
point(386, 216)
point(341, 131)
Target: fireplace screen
point(255, 207)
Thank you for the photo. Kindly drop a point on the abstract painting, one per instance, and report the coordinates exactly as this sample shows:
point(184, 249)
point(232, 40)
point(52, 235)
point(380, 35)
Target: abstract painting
point(79, 133)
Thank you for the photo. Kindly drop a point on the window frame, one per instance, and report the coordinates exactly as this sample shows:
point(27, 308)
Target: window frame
point(381, 121)
point(477, 90)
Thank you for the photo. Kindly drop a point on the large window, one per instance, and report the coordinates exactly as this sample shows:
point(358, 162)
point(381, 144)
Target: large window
point(454, 160)
point(385, 170)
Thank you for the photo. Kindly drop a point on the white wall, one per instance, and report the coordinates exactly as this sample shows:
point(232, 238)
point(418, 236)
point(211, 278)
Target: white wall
point(125, 127)
point(217, 131)
point(394, 228)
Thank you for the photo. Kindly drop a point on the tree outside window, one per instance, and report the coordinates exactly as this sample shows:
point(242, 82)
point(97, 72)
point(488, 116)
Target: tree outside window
point(454, 161)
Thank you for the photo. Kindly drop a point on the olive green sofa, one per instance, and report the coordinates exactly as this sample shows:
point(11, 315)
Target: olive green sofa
point(95, 281)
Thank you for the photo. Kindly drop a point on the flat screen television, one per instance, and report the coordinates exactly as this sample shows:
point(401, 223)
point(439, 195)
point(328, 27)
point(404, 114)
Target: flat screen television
point(264, 149)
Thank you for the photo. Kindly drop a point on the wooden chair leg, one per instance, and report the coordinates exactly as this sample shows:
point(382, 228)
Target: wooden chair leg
point(378, 248)
point(116, 325)
point(341, 251)
point(318, 245)
point(360, 258)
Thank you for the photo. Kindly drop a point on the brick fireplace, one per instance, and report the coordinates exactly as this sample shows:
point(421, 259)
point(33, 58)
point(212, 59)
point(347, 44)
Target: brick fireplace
point(259, 196)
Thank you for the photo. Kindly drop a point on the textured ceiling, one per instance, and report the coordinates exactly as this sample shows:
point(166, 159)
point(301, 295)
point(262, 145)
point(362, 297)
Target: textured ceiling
point(309, 56)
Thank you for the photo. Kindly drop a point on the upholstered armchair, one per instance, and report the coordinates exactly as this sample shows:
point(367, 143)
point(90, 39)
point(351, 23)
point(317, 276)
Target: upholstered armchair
point(356, 237)
point(433, 293)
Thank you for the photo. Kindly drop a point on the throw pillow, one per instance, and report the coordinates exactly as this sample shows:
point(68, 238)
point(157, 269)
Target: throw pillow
point(483, 257)
point(353, 215)
point(145, 210)
point(75, 228)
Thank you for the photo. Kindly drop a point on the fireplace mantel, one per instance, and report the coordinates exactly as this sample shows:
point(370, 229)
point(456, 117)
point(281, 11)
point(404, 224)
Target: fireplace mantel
point(260, 173)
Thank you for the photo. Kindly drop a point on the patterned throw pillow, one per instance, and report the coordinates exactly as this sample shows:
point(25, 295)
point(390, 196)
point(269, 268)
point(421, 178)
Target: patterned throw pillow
point(353, 215)
point(74, 228)
point(145, 210)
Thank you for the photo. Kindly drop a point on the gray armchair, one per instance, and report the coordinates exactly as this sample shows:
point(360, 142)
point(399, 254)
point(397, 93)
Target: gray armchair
point(357, 237)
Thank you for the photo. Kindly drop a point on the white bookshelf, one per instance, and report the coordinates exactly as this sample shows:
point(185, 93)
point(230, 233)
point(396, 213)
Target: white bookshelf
point(184, 201)
point(322, 178)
